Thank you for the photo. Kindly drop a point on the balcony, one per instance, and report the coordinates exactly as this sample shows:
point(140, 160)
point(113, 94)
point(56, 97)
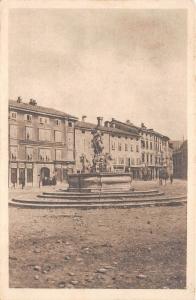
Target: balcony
point(40, 143)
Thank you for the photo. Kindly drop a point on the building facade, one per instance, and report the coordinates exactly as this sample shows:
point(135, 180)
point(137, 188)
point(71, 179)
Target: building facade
point(123, 147)
point(41, 143)
point(46, 144)
point(180, 161)
point(153, 150)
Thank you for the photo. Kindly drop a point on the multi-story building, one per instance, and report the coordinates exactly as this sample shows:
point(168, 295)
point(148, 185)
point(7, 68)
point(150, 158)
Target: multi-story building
point(154, 148)
point(180, 161)
point(123, 146)
point(46, 143)
point(41, 143)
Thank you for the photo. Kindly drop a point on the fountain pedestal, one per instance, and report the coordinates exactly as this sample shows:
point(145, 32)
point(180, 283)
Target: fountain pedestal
point(98, 182)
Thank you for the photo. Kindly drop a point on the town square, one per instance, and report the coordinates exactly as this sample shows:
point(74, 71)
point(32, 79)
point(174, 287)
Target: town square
point(145, 247)
point(98, 149)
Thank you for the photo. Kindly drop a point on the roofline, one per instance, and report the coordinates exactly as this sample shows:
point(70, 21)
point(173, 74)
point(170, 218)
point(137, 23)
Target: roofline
point(129, 125)
point(142, 129)
point(107, 129)
point(68, 117)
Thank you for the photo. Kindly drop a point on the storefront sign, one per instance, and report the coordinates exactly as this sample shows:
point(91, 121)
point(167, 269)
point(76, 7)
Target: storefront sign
point(13, 165)
point(58, 166)
point(29, 166)
point(21, 165)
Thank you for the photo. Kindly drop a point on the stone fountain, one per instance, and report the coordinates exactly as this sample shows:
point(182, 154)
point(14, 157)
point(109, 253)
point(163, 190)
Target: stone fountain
point(100, 176)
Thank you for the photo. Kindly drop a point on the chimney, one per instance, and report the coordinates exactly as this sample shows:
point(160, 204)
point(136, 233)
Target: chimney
point(33, 102)
point(128, 122)
point(142, 125)
point(112, 124)
point(107, 124)
point(84, 118)
point(19, 99)
point(99, 121)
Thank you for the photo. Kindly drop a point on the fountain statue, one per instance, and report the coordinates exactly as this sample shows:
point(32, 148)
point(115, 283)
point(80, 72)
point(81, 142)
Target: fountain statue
point(99, 176)
point(100, 160)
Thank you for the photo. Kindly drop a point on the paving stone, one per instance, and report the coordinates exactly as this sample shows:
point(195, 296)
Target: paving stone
point(47, 268)
point(37, 268)
point(101, 270)
point(141, 276)
point(74, 282)
point(37, 251)
point(12, 257)
point(79, 259)
point(67, 257)
point(108, 267)
point(61, 284)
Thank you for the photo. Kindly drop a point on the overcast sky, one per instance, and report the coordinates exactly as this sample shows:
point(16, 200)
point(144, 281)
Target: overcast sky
point(126, 64)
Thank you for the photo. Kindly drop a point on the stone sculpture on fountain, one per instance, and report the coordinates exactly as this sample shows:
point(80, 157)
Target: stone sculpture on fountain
point(99, 176)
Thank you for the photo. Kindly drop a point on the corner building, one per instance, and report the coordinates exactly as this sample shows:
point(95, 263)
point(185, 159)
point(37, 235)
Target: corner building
point(41, 143)
point(180, 159)
point(154, 149)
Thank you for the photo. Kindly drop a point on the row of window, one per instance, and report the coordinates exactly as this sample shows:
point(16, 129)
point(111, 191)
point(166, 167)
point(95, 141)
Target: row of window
point(43, 134)
point(126, 147)
point(149, 145)
point(44, 154)
point(154, 138)
point(148, 158)
point(126, 161)
point(42, 120)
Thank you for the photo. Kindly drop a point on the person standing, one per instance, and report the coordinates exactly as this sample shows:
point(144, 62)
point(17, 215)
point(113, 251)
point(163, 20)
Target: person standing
point(23, 183)
point(171, 178)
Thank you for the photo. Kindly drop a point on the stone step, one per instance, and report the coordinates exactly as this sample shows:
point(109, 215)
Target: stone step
point(171, 202)
point(55, 201)
point(131, 192)
point(97, 196)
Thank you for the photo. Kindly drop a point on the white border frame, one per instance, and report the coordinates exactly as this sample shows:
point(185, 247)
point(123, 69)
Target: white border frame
point(91, 294)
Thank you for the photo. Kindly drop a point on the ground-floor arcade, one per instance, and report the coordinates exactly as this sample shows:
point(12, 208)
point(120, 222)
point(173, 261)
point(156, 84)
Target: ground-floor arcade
point(38, 174)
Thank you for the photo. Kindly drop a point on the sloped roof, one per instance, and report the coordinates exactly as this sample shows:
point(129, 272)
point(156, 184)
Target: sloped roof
point(91, 126)
point(136, 129)
point(127, 127)
point(39, 109)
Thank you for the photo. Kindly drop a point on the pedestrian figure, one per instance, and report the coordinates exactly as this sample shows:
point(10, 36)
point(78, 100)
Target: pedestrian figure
point(171, 178)
point(23, 183)
point(14, 183)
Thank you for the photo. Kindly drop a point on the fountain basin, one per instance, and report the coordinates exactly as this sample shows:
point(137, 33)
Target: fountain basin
point(98, 182)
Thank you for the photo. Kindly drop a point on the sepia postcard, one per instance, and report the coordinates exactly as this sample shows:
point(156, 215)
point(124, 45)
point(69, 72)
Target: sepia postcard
point(98, 158)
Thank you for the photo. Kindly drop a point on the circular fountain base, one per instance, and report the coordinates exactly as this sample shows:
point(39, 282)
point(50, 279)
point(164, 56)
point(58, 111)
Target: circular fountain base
point(100, 182)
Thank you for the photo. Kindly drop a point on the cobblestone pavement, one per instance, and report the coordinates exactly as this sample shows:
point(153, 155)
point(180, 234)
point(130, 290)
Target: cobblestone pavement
point(102, 248)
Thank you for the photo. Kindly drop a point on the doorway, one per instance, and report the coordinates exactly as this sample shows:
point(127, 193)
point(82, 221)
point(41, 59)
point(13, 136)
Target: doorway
point(45, 176)
point(21, 175)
